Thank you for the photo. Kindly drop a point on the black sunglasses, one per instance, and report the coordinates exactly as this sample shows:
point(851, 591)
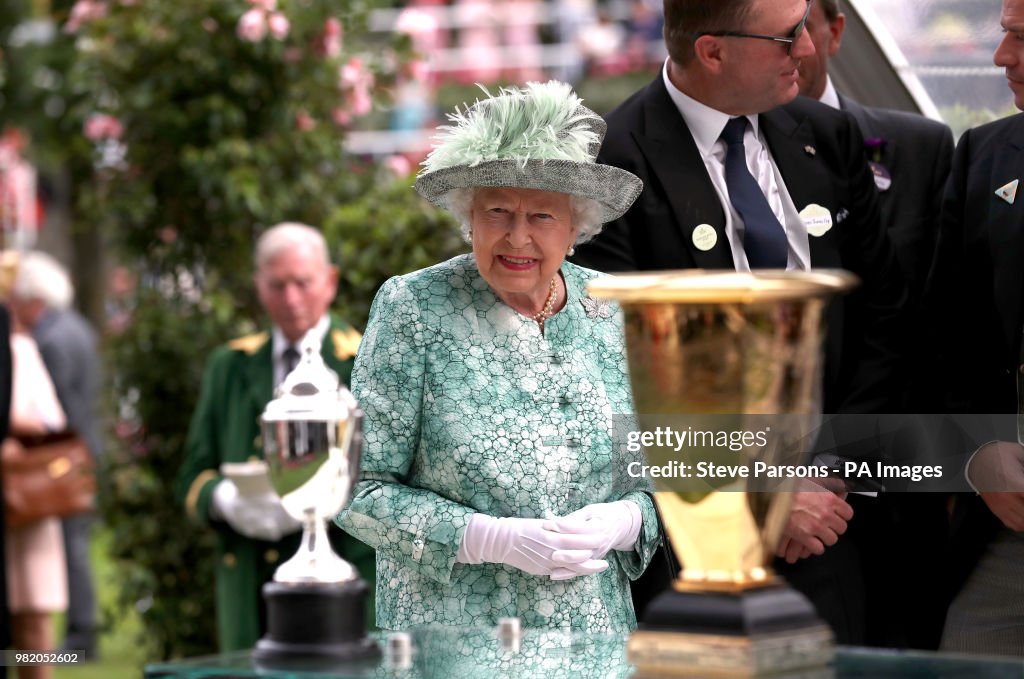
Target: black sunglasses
point(789, 40)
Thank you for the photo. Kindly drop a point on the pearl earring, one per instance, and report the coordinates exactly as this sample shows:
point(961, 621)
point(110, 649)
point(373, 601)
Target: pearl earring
point(572, 251)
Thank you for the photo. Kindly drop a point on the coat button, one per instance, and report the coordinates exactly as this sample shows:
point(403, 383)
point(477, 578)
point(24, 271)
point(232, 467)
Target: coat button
point(271, 556)
point(229, 560)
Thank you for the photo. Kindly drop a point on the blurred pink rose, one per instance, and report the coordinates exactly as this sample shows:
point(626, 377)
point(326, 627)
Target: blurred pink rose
point(360, 102)
point(418, 69)
point(331, 46)
point(279, 25)
point(252, 26)
point(101, 126)
point(209, 25)
point(304, 121)
point(83, 12)
point(398, 165)
point(341, 116)
point(354, 74)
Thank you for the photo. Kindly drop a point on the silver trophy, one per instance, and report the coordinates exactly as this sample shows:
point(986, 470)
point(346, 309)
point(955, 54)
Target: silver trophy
point(312, 440)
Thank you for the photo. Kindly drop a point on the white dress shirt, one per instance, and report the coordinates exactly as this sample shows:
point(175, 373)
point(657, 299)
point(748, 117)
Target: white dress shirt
point(280, 343)
point(830, 97)
point(706, 125)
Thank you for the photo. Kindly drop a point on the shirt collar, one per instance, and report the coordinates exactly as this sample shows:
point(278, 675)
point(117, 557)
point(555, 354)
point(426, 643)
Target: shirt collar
point(705, 123)
point(829, 97)
point(280, 342)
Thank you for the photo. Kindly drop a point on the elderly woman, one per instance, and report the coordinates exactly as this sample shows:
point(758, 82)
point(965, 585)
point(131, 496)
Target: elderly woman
point(490, 483)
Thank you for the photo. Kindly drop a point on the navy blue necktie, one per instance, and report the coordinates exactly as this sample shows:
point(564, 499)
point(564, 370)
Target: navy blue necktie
point(764, 239)
point(291, 359)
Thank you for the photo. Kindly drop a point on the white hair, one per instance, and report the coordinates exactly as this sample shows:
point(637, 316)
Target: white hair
point(288, 235)
point(586, 213)
point(40, 277)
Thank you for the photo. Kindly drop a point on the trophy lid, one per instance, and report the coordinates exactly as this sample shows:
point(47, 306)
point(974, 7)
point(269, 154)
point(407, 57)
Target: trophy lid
point(310, 392)
point(696, 286)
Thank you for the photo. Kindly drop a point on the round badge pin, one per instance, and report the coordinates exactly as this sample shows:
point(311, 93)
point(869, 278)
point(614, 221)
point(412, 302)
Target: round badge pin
point(705, 237)
point(817, 220)
point(883, 180)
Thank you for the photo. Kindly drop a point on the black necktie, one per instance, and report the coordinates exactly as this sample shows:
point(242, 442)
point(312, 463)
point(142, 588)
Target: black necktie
point(291, 359)
point(764, 239)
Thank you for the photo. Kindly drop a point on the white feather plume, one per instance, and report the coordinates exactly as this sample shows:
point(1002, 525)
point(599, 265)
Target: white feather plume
point(542, 121)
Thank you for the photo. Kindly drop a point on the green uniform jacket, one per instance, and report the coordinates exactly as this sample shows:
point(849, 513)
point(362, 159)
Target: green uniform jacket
point(237, 385)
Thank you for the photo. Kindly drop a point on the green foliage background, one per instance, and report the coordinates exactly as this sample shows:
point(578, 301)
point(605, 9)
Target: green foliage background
point(386, 232)
point(211, 154)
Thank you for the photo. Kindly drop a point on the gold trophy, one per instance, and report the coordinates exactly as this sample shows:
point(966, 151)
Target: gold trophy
point(738, 355)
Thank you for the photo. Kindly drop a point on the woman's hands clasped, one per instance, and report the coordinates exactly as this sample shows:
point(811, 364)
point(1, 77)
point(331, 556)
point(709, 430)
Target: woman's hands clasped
point(617, 523)
point(561, 547)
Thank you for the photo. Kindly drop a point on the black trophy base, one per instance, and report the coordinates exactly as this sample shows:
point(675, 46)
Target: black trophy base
point(315, 626)
point(769, 630)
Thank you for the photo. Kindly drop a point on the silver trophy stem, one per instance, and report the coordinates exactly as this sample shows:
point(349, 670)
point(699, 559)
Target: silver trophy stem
point(315, 561)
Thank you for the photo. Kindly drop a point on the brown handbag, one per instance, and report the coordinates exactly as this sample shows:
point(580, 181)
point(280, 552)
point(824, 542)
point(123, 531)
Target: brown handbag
point(47, 475)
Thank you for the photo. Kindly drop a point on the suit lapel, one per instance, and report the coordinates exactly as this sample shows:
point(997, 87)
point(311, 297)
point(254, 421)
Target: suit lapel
point(669, 148)
point(259, 372)
point(869, 129)
point(794, 149)
point(1008, 228)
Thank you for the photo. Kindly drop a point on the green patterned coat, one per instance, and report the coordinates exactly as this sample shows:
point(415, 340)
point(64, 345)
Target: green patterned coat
point(469, 408)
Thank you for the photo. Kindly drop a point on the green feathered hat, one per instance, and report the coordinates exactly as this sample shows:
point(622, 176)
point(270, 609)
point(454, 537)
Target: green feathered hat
point(536, 137)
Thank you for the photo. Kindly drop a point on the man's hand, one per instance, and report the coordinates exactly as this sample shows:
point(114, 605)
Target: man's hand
point(816, 521)
point(260, 517)
point(996, 471)
point(791, 550)
point(1008, 508)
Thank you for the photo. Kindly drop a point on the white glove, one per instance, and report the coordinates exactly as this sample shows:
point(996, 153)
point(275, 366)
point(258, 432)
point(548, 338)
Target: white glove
point(616, 525)
point(528, 546)
point(260, 517)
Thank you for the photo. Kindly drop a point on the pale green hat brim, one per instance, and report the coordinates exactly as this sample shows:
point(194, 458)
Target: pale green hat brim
point(614, 189)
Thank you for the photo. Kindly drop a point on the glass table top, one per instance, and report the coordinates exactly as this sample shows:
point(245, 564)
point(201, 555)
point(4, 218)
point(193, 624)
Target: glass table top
point(471, 653)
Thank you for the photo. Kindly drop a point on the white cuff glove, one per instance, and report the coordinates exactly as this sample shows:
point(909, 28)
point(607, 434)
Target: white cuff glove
point(525, 544)
point(616, 525)
point(260, 517)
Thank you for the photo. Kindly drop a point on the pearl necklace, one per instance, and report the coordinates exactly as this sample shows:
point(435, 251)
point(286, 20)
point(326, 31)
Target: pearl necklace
point(549, 304)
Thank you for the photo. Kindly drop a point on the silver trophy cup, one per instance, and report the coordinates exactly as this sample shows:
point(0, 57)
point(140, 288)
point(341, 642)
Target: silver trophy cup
point(312, 440)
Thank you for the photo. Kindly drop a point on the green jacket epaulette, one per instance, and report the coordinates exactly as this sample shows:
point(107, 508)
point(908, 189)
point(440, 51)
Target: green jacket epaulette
point(250, 344)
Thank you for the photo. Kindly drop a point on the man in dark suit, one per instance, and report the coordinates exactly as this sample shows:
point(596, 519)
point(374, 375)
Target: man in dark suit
point(974, 298)
point(910, 155)
point(898, 535)
point(41, 301)
point(739, 59)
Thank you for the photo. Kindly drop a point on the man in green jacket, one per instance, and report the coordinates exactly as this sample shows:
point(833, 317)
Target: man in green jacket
point(296, 284)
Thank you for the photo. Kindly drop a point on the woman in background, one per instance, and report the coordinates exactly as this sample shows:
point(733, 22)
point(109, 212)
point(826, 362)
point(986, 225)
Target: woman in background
point(36, 572)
